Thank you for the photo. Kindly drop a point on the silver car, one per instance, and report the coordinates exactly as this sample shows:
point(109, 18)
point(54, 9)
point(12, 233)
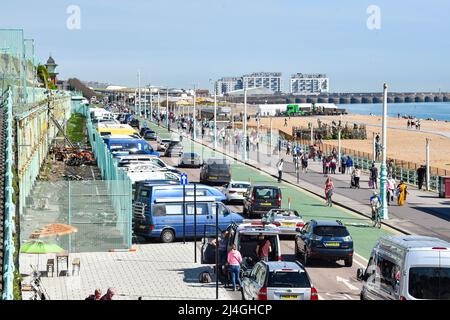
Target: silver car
point(288, 220)
point(190, 159)
point(278, 280)
point(163, 144)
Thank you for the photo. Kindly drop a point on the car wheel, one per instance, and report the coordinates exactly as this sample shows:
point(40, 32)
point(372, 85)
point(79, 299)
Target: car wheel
point(167, 236)
point(348, 262)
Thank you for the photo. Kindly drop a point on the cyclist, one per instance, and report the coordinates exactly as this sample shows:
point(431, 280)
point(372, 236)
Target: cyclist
point(375, 203)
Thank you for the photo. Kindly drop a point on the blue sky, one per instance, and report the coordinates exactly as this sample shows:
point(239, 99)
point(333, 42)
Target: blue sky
point(185, 42)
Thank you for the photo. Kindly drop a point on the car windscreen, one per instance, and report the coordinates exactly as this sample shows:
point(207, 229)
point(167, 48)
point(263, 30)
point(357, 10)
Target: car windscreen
point(287, 213)
point(331, 231)
point(219, 168)
point(240, 185)
point(266, 193)
point(288, 279)
point(429, 283)
point(189, 155)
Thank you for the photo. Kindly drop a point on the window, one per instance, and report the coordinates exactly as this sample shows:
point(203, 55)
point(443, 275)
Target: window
point(202, 209)
point(331, 231)
point(261, 276)
point(429, 283)
point(145, 193)
point(288, 279)
point(388, 273)
point(222, 209)
point(240, 185)
point(266, 193)
point(174, 209)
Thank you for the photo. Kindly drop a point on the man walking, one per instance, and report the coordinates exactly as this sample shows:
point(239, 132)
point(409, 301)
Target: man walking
point(421, 174)
point(374, 176)
point(280, 165)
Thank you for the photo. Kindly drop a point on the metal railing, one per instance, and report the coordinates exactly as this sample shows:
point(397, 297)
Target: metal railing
point(8, 244)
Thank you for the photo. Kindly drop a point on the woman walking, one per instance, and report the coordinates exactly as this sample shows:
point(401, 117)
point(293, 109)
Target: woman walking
point(329, 187)
point(234, 260)
point(402, 193)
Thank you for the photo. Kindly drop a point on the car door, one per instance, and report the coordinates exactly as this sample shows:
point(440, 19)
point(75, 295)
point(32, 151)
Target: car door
point(301, 238)
point(251, 291)
point(203, 214)
point(247, 198)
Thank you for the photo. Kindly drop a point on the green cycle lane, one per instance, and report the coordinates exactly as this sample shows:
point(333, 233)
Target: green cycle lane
point(308, 205)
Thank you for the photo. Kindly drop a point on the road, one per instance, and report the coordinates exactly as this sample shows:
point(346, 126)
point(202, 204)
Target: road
point(339, 284)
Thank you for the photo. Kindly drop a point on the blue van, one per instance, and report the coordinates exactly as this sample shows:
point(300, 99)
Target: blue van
point(148, 192)
point(163, 219)
point(129, 146)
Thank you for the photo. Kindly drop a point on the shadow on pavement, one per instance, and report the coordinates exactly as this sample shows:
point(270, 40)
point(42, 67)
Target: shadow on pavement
point(443, 213)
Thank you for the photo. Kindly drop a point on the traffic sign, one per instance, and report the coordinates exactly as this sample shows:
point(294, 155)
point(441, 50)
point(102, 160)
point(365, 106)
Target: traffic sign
point(184, 179)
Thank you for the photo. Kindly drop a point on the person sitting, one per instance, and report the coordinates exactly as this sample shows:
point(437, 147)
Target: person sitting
point(96, 296)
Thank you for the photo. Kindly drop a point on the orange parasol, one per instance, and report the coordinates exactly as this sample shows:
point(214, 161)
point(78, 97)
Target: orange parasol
point(54, 229)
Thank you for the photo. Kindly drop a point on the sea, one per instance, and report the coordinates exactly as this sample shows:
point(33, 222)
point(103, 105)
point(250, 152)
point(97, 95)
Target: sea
point(420, 110)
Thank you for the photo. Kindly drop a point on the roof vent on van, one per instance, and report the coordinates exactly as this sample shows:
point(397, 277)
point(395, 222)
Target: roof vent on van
point(439, 248)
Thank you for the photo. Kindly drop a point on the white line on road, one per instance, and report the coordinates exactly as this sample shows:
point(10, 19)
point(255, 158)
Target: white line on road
point(347, 283)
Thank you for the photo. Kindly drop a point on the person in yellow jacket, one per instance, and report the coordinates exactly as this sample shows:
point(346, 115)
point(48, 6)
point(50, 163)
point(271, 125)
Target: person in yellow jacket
point(402, 193)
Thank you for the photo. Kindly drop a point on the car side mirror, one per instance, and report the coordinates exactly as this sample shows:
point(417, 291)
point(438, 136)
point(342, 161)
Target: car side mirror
point(360, 274)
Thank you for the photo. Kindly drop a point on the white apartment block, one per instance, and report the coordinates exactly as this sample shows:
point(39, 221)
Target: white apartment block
point(269, 80)
point(227, 84)
point(302, 83)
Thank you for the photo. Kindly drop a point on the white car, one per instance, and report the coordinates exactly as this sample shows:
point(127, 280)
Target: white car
point(288, 220)
point(235, 190)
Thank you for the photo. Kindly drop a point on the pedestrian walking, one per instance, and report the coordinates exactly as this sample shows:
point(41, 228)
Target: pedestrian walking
point(349, 164)
point(374, 176)
point(421, 176)
point(234, 260)
point(285, 122)
point(109, 294)
point(333, 165)
point(305, 164)
point(280, 165)
point(343, 164)
point(391, 186)
point(402, 192)
point(329, 187)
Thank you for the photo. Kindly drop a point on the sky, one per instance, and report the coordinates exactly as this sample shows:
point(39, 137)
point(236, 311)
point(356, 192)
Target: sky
point(182, 43)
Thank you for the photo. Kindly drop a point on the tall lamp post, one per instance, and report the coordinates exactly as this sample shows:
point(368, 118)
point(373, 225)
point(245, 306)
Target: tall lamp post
point(167, 108)
point(151, 103)
point(383, 175)
point(139, 90)
point(215, 118)
point(194, 121)
point(245, 125)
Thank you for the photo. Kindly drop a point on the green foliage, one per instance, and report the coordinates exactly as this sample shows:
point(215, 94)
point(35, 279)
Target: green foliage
point(75, 128)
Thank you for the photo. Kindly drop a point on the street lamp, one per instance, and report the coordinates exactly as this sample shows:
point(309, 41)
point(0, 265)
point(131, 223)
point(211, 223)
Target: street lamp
point(215, 118)
point(167, 108)
point(245, 125)
point(151, 103)
point(383, 175)
point(194, 121)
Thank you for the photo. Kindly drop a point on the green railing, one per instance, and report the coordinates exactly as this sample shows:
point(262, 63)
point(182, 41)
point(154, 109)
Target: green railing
point(8, 245)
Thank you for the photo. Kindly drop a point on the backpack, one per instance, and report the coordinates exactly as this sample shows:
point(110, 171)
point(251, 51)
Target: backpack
point(205, 277)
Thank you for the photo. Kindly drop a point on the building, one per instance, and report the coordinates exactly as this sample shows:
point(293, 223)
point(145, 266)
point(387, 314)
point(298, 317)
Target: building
point(227, 84)
point(250, 92)
point(269, 80)
point(51, 68)
point(302, 83)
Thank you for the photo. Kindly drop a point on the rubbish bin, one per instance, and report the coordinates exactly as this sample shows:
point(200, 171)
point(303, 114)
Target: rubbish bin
point(444, 187)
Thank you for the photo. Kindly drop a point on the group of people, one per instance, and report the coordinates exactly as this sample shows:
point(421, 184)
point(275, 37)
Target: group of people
point(98, 294)
point(413, 123)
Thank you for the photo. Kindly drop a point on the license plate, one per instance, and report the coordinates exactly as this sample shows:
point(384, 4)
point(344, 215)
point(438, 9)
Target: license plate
point(332, 244)
point(213, 178)
point(266, 204)
point(241, 193)
point(289, 297)
point(288, 224)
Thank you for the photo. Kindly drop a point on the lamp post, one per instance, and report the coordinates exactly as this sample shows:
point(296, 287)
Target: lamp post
point(159, 104)
point(139, 91)
point(427, 175)
point(167, 108)
point(151, 103)
point(194, 121)
point(383, 175)
point(245, 126)
point(215, 119)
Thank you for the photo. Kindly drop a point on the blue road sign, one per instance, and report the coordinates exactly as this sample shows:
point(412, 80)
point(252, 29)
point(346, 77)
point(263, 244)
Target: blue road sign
point(183, 179)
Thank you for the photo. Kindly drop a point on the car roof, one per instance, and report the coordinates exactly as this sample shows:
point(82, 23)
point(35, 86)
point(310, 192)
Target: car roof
point(278, 265)
point(415, 242)
point(265, 186)
point(258, 227)
point(246, 182)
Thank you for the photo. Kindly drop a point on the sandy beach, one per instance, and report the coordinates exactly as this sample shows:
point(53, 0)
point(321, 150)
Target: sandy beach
point(403, 144)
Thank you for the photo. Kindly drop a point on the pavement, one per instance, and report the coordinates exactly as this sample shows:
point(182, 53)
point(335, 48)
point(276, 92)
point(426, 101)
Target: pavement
point(154, 271)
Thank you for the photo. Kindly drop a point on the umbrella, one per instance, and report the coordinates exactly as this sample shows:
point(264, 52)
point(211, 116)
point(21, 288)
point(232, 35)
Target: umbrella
point(39, 247)
point(54, 229)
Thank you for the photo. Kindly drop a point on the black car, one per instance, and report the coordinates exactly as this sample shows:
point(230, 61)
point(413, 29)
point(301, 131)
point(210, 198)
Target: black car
point(215, 171)
point(260, 199)
point(150, 135)
point(326, 240)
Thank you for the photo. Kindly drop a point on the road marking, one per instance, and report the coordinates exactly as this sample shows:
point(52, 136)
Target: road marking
point(347, 283)
point(362, 258)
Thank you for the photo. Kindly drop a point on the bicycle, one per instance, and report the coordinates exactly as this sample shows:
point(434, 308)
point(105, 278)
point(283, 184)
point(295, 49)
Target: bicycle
point(377, 218)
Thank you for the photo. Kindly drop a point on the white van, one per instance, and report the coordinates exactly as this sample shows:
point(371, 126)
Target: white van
point(407, 268)
point(153, 176)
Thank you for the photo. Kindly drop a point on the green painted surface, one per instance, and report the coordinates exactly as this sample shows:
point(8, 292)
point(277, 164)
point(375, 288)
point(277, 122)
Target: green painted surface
point(310, 206)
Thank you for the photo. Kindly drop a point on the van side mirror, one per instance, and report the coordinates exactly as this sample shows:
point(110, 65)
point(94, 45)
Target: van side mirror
point(360, 274)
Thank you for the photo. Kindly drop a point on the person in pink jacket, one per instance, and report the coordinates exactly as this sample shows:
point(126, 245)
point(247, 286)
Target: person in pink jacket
point(234, 260)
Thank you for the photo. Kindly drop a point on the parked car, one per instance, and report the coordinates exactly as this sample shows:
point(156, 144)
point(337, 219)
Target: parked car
point(134, 123)
point(288, 220)
point(190, 159)
point(235, 190)
point(122, 146)
point(246, 237)
point(278, 280)
point(215, 171)
point(407, 268)
point(163, 219)
point(150, 135)
point(162, 143)
point(175, 148)
point(259, 199)
point(323, 239)
point(128, 160)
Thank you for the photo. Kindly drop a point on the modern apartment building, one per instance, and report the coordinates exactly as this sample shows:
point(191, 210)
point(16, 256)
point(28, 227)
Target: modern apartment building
point(302, 83)
point(269, 80)
point(227, 84)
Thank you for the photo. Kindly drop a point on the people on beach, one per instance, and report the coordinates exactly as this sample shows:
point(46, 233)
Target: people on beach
point(402, 192)
point(234, 260)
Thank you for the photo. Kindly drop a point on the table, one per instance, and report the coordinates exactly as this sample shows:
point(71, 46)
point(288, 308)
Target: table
point(62, 257)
